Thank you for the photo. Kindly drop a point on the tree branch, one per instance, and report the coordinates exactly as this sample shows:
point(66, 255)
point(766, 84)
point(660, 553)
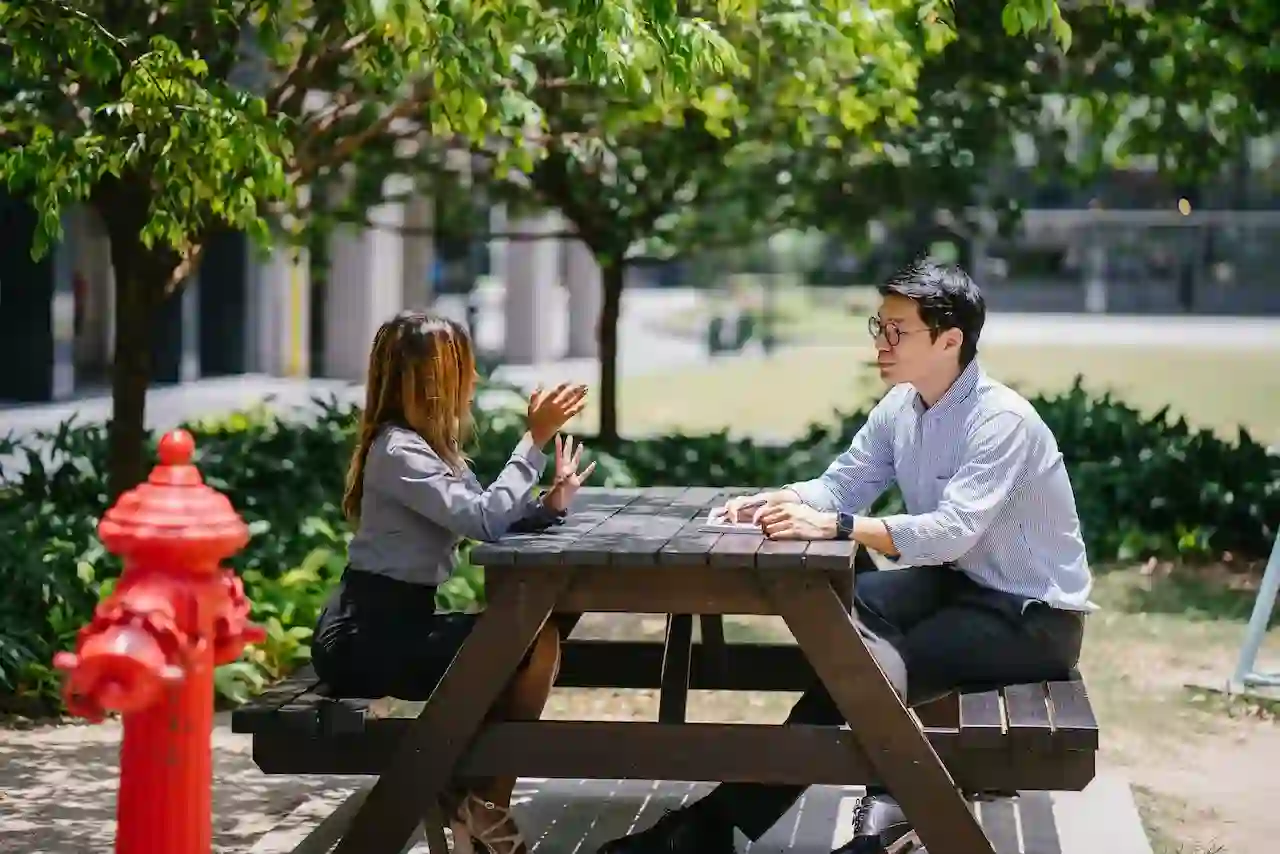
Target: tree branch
point(349, 145)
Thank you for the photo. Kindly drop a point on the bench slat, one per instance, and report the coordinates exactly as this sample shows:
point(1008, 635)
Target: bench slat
point(261, 711)
point(981, 720)
point(1073, 718)
point(1000, 821)
point(1039, 829)
point(1027, 707)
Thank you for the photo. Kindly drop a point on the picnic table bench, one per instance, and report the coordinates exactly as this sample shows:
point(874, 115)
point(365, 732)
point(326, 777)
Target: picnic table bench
point(641, 551)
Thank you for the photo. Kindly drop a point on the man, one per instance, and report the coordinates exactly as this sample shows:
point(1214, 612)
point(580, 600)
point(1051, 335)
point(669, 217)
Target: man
point(996, 584)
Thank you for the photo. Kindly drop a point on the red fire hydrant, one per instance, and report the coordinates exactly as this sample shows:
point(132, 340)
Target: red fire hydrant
point(151, 647)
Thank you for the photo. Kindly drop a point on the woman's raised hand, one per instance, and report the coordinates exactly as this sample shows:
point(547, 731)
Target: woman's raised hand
point(568, 477)
point(550, 410)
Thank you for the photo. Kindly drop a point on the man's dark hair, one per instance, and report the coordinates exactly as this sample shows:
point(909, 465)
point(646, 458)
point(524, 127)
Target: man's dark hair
point(947, 297)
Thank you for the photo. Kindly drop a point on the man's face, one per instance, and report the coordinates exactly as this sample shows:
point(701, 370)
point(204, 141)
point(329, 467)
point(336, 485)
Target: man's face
point(905, 351)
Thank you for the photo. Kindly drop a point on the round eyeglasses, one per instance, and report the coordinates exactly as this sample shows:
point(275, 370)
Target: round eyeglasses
point(891, 331)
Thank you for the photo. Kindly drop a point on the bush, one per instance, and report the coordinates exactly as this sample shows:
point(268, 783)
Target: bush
point(1145, 486)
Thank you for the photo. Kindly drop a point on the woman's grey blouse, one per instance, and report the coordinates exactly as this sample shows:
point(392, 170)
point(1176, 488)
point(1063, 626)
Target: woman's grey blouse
point(416, 508)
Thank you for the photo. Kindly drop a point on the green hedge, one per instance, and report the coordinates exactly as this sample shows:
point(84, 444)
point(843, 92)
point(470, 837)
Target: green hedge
point(1145, 485)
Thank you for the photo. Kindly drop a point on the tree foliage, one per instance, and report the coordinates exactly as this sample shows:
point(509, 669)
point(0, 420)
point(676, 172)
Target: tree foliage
point(174, 118)
point(720, 164)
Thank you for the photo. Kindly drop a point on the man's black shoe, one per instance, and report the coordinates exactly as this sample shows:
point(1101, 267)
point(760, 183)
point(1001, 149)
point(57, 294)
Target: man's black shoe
point(880, 827)
point(684, 831)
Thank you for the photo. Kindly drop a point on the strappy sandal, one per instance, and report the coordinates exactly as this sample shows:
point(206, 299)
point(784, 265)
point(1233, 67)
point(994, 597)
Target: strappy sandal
point(908, 844)
point(498, 837)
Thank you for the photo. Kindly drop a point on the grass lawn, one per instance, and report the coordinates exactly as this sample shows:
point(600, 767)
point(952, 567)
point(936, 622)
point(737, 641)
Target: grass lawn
point(780, 396)
point(1201, 769)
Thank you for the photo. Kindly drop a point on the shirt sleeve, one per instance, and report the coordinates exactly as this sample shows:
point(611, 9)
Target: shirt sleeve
point(994, 468)
point(413, 474)
point(860, 475)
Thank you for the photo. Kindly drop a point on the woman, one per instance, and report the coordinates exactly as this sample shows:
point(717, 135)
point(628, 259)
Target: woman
point(412, 497)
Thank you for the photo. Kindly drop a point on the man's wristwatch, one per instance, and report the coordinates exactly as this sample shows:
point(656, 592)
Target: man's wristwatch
point(844, 526)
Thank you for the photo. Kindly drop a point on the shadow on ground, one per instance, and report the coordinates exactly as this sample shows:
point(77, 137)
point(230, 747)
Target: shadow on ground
point(58, 791)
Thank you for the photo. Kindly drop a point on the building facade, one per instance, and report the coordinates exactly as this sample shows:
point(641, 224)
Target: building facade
point(272, 310)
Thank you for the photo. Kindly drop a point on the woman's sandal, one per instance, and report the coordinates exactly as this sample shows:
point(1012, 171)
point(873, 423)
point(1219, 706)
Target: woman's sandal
point(498, 837)
point(908, 844)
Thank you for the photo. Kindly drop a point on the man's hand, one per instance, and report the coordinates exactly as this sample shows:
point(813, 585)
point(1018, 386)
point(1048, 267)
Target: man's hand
point(747, 508)
point(794, 521)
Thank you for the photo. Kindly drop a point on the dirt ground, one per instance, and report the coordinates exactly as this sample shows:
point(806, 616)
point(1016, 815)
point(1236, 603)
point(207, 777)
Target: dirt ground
point(1202, 768)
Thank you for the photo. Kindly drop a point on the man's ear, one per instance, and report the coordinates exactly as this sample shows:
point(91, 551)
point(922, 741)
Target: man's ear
point(952, 339)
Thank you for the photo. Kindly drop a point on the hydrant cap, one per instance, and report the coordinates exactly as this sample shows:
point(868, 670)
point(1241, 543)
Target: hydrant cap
point(174, 511)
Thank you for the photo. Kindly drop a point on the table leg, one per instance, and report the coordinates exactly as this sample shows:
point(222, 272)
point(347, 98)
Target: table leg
point(519, 605)
point(903, 757)
point(714, 653)
point(673, 684)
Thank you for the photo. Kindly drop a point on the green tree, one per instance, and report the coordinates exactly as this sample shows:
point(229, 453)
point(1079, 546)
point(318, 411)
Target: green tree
point(824, 76)
point(1182, 84)
point(174, 118)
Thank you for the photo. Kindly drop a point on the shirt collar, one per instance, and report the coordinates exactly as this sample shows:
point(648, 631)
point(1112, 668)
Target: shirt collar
point(959, 390)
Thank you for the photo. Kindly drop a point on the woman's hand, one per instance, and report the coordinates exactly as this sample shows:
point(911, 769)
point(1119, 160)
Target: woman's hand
point(549, 410)
point(568, 479)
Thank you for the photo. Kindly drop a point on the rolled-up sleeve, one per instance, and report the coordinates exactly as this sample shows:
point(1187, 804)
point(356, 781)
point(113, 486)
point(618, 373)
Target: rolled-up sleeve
point(413, 474)
point(994, 468)
point(860, 475)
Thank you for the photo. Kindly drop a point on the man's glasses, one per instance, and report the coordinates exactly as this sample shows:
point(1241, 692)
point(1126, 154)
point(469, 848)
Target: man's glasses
point(891, 331)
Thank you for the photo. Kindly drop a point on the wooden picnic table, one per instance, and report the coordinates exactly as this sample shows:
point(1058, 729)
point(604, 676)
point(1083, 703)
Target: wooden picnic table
point(641, 551)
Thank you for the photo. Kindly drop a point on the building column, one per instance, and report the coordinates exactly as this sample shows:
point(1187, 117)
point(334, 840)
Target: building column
point(281, 310)
point(582, 281)
point(532, 273)
point(365, 288)
point(95, 308)
point(175, 348)
point(226, 346)
point(419, 251)
point(498, 246)
point(27, 295)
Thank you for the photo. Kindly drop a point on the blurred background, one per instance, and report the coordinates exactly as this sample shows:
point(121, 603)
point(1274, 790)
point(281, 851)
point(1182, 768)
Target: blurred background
point(206, 211)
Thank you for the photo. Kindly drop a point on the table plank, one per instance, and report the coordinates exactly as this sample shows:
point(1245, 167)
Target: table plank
point(736, 551)
point(691, 546)
point(1000, 821)
point(781, 554)
point(590, 509)
point(981, 720)
point(831, 554)
point(635, 535)
point(1039, 830)
point(1075, 726)
point(1028, 712)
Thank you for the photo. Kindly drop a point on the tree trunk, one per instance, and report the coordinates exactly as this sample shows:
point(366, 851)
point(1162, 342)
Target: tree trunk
point(612, 278)
point(138, 296)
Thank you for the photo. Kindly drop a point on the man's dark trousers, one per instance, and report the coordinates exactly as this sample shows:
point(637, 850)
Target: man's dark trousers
point(932, 629)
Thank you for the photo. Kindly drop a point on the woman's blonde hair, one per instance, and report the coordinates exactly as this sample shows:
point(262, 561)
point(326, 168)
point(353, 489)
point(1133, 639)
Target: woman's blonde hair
point(422, 372)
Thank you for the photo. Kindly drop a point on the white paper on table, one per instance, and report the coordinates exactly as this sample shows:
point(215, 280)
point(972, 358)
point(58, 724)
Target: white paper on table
point(718, 524)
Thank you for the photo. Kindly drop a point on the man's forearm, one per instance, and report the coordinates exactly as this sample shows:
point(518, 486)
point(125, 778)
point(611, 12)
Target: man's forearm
point(873, 534)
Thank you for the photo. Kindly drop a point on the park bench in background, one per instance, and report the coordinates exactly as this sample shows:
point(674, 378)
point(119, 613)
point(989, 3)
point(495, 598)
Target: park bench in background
point(1027, 738)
